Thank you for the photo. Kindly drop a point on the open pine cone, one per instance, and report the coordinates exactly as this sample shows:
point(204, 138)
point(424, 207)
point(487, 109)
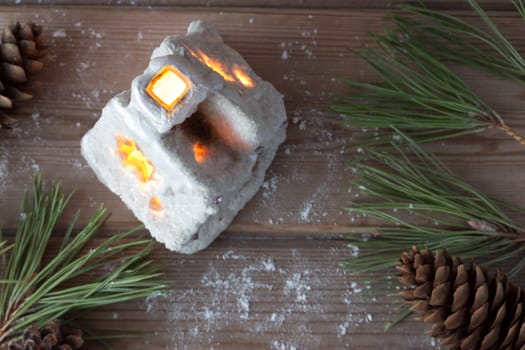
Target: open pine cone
point(471, 309)
point(22, 47)
point(52, 336)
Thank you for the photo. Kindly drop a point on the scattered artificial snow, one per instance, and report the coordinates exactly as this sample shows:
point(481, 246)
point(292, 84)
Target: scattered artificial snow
point(230, 255)
point(343, 328)
point(354, 250)
point(354, 287)
point(82, 66)
point(59, 33)
point(283, 345)
point(79, 164)
point(270, 187)
point(29, 164)
point(297, 286)
point(260, 295)
point(305, 212)
point(92, 33)
point(4, 170)
point(277, 318)
point(302, 125)
point(268, 265)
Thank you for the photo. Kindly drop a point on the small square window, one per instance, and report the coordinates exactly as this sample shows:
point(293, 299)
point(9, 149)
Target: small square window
point(168, 87)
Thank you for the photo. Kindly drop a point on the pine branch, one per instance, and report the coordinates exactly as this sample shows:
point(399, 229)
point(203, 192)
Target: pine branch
point(419, 94)
point(35, 294)
point(421, 202)
point(459, 41)
point(3, 248)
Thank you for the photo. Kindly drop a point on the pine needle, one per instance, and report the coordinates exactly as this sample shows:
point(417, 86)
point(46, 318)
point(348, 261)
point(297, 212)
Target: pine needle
point(420, 202)
point(118, 269)
point(418, 94)
point(459, 41)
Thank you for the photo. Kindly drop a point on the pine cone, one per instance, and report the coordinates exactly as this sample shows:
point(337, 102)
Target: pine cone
point(52, 336)
point(471, 309)
point(21, 48)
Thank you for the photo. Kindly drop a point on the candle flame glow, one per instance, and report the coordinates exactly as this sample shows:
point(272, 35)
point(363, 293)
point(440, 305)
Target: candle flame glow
point(155, 203)
point(242, 77)
point(215, 65)
point(200, 152)
point(134, 158)
point(235, 75)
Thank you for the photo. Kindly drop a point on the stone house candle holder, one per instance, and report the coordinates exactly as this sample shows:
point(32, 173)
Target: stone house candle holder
point(188, 145)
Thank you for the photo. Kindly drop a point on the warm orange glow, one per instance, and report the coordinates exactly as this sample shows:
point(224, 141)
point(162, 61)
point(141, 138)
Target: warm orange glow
point(235, 75)
point(242, 77)
point(214, 64)
point(200, 152)
point(155, 203)
point(168, 87)
point(134, 158)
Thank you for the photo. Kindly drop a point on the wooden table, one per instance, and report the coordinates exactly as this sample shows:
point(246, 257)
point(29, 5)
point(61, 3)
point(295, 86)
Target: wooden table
point(272, 280)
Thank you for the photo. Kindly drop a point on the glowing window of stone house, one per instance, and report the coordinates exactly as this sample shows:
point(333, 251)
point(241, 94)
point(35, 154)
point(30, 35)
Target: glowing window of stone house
point(133, 158)
point(168, 87)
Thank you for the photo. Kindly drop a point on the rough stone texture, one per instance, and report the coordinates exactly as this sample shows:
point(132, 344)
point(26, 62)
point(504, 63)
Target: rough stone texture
point(241, 128)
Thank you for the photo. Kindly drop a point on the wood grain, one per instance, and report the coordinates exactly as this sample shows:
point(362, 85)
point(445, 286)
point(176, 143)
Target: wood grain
point(97, 51)
point(273, 295)
point(311, 4)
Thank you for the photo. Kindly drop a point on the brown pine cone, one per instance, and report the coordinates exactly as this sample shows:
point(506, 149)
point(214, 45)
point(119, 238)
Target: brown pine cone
point(471, 309)
point(52, 336)
point(22, 47)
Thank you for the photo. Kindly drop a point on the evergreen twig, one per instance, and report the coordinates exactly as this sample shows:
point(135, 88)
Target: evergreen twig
point(420, 202)
point(34, 293)
point(418, 93)
point(459, 41)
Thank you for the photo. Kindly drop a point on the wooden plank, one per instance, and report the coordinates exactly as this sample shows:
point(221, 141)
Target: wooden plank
point(264, 295)
point(94, 56)
point(312, 4)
